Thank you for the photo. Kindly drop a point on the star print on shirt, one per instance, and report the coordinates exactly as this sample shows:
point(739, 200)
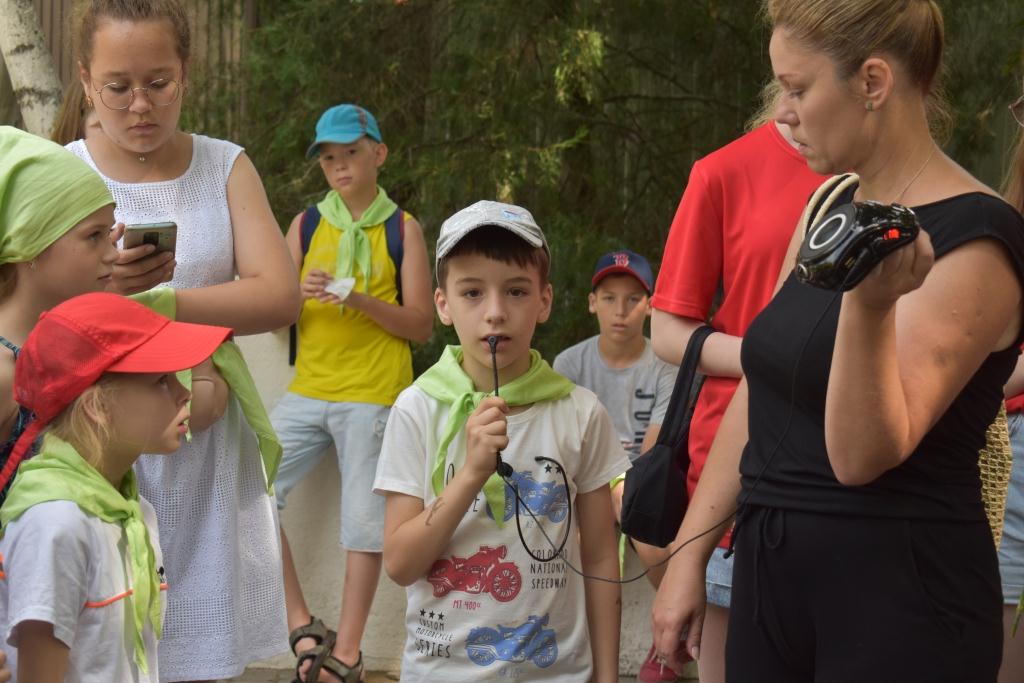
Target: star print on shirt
point(440, 617)
point(423, 612)
point(431, 614)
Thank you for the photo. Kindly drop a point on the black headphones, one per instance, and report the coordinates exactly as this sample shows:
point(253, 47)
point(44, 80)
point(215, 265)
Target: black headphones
point(850, 240)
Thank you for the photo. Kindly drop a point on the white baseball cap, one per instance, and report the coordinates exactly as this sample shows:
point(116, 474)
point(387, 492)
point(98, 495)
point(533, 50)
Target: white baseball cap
point(515, 219)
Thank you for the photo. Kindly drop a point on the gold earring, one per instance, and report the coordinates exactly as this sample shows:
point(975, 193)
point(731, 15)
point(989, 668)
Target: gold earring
point(88, 101)
point(869, 105)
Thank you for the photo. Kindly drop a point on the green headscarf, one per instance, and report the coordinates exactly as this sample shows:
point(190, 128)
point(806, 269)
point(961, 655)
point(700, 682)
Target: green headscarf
point(354, 247)
point(447, 382)
point(60, 473)
point(45, 190)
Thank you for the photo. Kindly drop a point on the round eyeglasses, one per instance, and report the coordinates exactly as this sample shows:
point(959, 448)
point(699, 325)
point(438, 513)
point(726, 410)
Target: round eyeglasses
point(162, 92)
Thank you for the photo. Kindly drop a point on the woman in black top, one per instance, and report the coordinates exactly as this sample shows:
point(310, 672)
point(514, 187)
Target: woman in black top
point(862, 552)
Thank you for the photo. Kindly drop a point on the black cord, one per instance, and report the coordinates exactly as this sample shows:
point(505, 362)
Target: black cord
point(505, 471)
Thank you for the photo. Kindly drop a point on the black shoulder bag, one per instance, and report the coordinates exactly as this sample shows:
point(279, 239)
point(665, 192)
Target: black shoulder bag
point(654, 500)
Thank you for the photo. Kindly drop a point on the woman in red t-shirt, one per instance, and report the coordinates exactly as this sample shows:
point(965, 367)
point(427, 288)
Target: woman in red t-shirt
point(1011, 549)
point(731, 229)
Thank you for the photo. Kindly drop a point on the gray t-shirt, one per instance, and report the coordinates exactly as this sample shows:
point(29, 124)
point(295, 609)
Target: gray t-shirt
point(635, 397)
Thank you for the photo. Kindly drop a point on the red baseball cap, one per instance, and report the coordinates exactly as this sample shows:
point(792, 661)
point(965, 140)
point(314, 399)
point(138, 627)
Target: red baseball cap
point(78, 341)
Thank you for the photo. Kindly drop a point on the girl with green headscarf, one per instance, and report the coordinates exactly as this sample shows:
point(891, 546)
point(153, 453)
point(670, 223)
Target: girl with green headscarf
point(55, 243)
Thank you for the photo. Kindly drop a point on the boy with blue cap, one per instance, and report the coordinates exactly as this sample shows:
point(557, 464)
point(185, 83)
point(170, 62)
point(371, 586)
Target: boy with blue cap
point(618, 364)
point(365, 283)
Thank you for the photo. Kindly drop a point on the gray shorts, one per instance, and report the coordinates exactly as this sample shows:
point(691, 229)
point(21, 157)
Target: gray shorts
point(307, 427)
point(1011, 549)
point(719, 579)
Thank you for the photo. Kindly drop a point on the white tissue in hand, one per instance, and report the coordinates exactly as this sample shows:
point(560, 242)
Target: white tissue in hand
point(341, 287)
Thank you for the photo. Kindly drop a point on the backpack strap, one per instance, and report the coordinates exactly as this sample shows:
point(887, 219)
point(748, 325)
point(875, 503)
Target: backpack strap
point(310, 221)
point(824, 197)
point(307, 226)
point(394, 231)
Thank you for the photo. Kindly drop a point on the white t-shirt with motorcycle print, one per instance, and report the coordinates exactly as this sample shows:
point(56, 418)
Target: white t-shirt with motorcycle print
point(487, 610)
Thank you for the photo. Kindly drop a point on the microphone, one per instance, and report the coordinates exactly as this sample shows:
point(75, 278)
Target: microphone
point(503, 468)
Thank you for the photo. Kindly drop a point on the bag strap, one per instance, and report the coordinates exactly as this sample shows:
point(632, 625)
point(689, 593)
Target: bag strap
point(824, 197)
point(674, 428)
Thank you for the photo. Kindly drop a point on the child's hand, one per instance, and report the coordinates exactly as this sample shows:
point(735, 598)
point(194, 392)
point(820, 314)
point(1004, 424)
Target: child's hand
point(209, 396)
point(5, 673)
point(313, 284)
point(486, 434)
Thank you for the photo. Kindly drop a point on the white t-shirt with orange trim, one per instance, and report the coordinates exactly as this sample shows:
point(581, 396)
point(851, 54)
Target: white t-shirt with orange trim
point(67, 568)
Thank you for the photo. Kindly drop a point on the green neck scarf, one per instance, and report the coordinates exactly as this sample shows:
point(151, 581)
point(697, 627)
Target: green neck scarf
point(58, 472)
point(354, 247)
point(447, 382)
point(231, 365)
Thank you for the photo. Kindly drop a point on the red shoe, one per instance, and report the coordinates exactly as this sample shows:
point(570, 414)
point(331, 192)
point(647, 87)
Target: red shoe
point(654, 671)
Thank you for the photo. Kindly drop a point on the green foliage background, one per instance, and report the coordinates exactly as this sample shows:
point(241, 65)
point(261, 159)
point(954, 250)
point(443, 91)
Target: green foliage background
point(588, 112)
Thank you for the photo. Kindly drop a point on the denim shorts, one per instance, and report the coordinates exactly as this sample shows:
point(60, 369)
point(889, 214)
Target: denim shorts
point(719, 579)
point(307, 427)
point(1011, 549)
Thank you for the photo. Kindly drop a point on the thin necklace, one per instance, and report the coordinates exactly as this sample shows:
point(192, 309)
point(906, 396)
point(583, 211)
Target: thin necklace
point(142, 158)
point(916, 176)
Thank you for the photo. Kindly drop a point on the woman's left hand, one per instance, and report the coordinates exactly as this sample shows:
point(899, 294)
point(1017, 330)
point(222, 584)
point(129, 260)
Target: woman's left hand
point(899, 273)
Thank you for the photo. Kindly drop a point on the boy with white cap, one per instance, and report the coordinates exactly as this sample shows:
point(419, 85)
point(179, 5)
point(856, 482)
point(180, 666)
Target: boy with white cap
point(490, 597)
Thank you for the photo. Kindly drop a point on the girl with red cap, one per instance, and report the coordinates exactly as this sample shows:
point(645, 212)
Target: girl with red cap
point(81, 572)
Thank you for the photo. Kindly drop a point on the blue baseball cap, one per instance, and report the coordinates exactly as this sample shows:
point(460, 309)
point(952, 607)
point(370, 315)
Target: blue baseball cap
point(624, 262)
point(344, 124)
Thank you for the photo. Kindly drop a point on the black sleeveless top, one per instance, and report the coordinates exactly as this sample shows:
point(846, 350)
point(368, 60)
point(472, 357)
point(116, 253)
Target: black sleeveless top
point(940, 480)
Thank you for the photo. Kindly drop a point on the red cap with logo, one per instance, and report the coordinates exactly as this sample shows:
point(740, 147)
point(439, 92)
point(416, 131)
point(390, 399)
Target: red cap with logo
point(78, 341)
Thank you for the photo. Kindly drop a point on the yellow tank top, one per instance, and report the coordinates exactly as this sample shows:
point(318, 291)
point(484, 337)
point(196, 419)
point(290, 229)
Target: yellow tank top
point(343, 355)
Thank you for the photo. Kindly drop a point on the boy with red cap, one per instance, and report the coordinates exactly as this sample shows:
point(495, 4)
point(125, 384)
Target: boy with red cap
point(82, 574)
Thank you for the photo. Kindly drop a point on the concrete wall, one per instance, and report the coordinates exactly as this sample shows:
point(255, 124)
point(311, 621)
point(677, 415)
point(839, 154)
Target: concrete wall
point(311, 522)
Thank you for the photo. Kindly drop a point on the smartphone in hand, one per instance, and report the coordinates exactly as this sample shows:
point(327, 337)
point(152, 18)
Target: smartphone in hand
point(163, 236)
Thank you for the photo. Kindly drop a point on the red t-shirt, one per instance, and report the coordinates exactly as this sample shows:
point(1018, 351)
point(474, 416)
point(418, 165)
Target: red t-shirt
point(1015, 404)
point(733, 225)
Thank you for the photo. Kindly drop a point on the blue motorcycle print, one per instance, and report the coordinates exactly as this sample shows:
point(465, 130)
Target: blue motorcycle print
point(528, 641)
point(543, 498)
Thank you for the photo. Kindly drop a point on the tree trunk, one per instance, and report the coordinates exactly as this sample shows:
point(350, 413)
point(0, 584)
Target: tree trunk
point(37, 87)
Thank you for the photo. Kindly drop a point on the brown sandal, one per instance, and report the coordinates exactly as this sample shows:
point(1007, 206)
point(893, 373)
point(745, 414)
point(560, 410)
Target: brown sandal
point(325, 639)
point(323, 659)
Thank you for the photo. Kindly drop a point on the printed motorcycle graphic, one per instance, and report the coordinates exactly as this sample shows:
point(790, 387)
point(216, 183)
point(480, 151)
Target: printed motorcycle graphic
point(543, 498)
point(528, 641)
point(482, 572)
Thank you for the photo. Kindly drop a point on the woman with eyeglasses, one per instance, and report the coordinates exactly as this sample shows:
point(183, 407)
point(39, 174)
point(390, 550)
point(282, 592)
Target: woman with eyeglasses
point(217, 523)
point(1011, 549)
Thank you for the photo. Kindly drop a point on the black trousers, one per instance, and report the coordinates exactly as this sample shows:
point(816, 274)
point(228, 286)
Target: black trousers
point(830, 599)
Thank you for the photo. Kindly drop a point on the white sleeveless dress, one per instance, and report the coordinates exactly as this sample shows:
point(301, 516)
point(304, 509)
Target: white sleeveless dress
point(218, 526)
